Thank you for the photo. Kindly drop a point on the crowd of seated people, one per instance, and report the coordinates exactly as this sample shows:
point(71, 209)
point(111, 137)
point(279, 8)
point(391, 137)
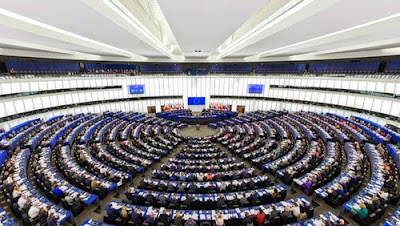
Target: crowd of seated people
point(137, 149)
point(333, 130)
point(93, 165)
point(110, 152)
point(7, 137)
point(324, 172)
point(372, 133)
point(243, 138)
point(297, 152)
point(281, 150)
point(347, 183)
point(83, 177)
point(209, 176)
point(57, 188)
point(77, 159)
point(213, 201)
point(324, 129)
point(200, 162)
point(180, 188)
point(203, 187)
point(279, 213)
point(313, 157)
point(200, 150)
point(201, 156)
point(371, 129)
point(202, 167)
point(111, 71)
point(248, 141)
point(372, 201)
point(212, 111)
point(324, 219)
point(24, 200)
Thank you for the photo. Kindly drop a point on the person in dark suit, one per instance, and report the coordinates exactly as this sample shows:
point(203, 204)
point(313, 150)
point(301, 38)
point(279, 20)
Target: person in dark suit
point(353, 181)
point(150, 219)
point(152, 186)
point(52, 220)
point(178, 218)
point(111, 212)
point(253, 199)
point(332, 193)
point(210, 204)
point(188, 201)
point(171, 187)
point(196, 204)
point(87, 182)
point(164, 217)
point(136, 217)
point(286, 213)
point(142, 184)
point(370, 206)
point(151, 199)
point(163, 199)
point(162, 187)
point(246, 219)
point(243, 201)
point(376, 202)
point(42, 216)
point(40, 176)
point(174, 200)
point(220, 202)
point(192, 187)
point(390, 184)
point(234, 201)
point(274, 213)
point(191, 177)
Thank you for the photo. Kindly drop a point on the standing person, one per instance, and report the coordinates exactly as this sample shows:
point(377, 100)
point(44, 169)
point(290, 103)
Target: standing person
point(219, 220)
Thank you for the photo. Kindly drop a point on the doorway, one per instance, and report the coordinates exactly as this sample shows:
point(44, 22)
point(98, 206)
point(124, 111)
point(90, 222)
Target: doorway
point(240, 108)
point(151, 109)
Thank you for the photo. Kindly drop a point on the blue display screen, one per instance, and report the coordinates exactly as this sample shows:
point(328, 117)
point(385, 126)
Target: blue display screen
point(136, 89)
point(256, 88)
point(196, 101)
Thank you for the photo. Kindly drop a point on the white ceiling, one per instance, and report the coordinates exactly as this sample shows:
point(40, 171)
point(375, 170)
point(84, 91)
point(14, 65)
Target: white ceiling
point(224, 30)
point(205, 24)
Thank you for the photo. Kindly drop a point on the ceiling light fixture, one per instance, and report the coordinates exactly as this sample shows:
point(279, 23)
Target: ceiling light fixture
point(122, 11)
point(39, 28)
point(281, 14)
point(338, 35)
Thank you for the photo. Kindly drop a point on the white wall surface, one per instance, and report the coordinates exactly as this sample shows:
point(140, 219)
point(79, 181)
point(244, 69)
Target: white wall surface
point(199, 86)
point(253, 105)
point(135, 106)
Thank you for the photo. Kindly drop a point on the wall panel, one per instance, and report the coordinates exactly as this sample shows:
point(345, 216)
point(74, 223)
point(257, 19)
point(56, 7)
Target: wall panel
point(205, 86)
